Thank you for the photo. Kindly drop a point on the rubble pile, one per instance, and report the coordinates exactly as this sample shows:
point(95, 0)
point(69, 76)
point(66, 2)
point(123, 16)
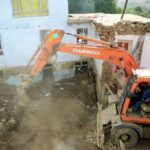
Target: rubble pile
point(92, 139)
point(107, 33)
point(8, 112)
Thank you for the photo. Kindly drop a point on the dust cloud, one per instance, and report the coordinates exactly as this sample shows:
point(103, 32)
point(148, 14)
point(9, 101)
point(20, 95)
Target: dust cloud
point(53, 121)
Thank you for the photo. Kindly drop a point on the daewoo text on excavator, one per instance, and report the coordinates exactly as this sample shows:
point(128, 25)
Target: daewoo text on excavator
point(125, 126)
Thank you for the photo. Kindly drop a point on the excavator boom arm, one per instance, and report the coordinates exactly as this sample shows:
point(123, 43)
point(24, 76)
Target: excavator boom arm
point(104, 52)
point(113, 55)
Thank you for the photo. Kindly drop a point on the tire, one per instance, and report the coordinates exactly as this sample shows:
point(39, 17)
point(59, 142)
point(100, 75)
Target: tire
point(128, 136)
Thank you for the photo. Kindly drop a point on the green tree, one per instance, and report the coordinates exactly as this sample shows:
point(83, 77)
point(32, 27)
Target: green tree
point(143, 13)
point(105, 6)
point(119, 10)
point(81, 6)
point(138, 9)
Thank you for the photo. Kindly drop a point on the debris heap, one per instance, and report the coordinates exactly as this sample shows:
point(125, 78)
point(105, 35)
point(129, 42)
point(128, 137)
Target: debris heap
point(107, 33)
point(8, 113)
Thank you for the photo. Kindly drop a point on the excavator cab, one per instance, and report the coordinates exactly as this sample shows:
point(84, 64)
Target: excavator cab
point(137, 84)
point(127, 126)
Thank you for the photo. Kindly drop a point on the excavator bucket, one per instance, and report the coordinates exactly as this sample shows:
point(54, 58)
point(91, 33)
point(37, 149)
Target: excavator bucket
point(21, 97)
point(47, 49)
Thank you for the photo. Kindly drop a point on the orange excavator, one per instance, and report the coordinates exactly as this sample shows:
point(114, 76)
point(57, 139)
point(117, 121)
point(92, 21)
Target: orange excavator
point(126, 126)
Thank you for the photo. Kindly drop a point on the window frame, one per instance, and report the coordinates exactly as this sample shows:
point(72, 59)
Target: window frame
point(19, 13)
point(124, 42)
point(85, 34)
point(1, 48)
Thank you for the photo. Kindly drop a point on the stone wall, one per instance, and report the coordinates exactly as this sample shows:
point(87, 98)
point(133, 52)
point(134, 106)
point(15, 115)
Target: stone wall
point(108, 33)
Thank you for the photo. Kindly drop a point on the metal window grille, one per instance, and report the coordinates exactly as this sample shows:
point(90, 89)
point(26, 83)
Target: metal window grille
point(26, 8)
point(82, 31)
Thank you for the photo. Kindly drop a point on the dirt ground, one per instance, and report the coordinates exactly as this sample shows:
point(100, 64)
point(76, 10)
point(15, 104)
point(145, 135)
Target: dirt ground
point(9, 116)
point(60, 117)
point(56, 118)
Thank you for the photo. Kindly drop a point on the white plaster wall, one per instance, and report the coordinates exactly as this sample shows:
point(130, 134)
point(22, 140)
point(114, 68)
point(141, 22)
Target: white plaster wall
point(21, 36)
point(133, 38)
point(72, 28)
point(145, 59)
point(146, 48)
point(57, 12)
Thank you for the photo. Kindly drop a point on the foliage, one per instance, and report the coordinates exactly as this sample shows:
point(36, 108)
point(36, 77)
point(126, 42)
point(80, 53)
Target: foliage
point(91, 6)
point(138, 9)
point(105, 6)
point(119, 10)
point(81, 6)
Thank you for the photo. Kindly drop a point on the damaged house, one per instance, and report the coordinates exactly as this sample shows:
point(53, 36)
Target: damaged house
point(27, 23)
point(132, 34)
point(73, 99)
point(23, 26)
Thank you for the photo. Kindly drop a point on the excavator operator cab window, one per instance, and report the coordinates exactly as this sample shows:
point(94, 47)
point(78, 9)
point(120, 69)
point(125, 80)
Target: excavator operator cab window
point(127, 92)
point(128, 87)
point(140, 100)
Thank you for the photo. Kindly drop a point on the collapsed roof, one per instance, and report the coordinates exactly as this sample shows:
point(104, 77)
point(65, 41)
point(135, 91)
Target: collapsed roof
point(105, 19)
point(107, 25)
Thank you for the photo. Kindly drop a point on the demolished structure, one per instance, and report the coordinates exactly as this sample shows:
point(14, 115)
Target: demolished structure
point(132, 35)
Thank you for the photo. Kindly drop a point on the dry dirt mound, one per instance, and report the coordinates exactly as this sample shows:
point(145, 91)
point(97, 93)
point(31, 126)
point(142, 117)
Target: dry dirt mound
point(54, 119)
point(9, 118)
